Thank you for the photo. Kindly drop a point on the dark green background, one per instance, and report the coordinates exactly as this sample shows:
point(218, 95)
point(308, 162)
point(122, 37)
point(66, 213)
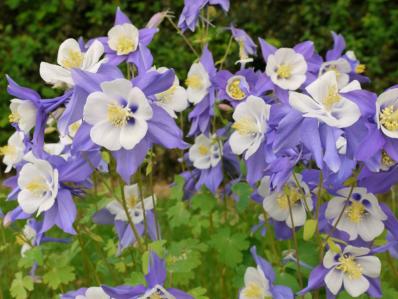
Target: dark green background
point(31, 31)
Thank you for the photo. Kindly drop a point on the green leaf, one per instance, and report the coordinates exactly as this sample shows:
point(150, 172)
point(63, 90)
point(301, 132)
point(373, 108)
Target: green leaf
point(59, 271)
point(32, 256)
point(244, 191)
point(287, 279)
point(229, 246)
point(205, 201)
point(178, 214)
point(20, 285)
point(309, 229)
point(177, 191)
point(198, 293)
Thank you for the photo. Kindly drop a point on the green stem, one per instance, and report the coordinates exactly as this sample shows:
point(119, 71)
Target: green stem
point(182, 35)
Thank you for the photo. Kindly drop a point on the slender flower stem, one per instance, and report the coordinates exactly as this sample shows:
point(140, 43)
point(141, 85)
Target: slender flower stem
point(224, 58)
point(155, 213)
point(139, 179)
point(182, 35)
point(303, 193)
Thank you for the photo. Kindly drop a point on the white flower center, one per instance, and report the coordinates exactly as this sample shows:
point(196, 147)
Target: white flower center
point(118, 116)
point(331, 98)
point(125, 45)
point(194, 82)
point(245, 126)
point(74, 59)
point(389, 118)
point(14, 117)
point(253, 290)
point(38, 188)
point(349, 266)
point(284, 71)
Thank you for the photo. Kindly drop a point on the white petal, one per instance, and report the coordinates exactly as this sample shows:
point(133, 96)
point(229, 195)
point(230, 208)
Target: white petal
point(302, 102)
point(370, 228)
point(96, 108)
point(132, 134)
point(106, 135)
point(65, 48)
point(55, 74)
point(92, 56)
point(371, 265)
point(355, 287)
point(136, 96)
point(118, 88)
point(334, 280)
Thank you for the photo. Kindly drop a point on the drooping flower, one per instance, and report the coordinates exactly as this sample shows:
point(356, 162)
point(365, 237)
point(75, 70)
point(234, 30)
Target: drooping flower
point(23, 113)
point(190, 14)
point(362, 216)
point(86, 293)
point(174, 99)
point(247, 47)
point(14, 150)
point(71, 55)
point(259, 282)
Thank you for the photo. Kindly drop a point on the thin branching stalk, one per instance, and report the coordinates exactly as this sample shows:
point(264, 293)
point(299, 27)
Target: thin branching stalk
point(182, 35)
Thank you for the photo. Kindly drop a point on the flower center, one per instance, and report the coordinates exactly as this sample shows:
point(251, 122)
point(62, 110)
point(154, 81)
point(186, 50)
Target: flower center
point(332, 97)
point(386, 160)
point(37, 187)
point(245, 126)
point(234, 90)
point(253, 290)
point(118, 116)
point(155, 296)
point(14, 117)
point(284, 71)
point(292, 195)
point(73, 60)
point(124, 45)
point(356, 211)
point(350, 267)
point(7, 150)
point(360, 68)
point(74, 127)
point(132, 201)
point(203, 150)
point(389, 118)
point(166, 96)
point(194, 81)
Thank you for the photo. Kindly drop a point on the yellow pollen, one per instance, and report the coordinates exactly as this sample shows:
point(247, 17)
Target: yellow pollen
point(124, 45)
point(284, 71)
point(389, 118)
point(292, 195)
point(242, 51)
point(132, 201)
point(332, 97)
point(360, 68)
point(36, 187)
point(355, 211)
point(20, 239)
point(386, 160)
point(7, 150)
point(73, 60)
point(14, 117)
point(118, 116)
point(245, 126)
point(74, 127)
point(350, 267)
point(235, 91)
point(167, 95)
point(203, 150)
point(194, 81)
point(253, 290)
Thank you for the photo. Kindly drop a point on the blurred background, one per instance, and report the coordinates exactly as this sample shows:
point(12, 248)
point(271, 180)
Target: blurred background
point(31, 31)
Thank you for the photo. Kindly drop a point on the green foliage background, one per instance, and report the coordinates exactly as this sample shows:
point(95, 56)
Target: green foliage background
point(31, 31)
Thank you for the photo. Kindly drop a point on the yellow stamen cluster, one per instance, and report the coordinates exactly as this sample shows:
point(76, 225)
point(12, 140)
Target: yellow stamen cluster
point(132, 201)
point(332, 97)
point(360, 68)
point(203, 150)
point(245, 126)
point(74, 127)
point(389, 118)
point(7, 150)
point(37, 187)
point(284, 71)
point(235, 91)
point(355, 211)
point(20, 239)
point(292, 195)
point(333, 68)
point(14, 117)
point(242, 51)
point(253, 290)
point(118, 116)
point(125, 45)
point(349, 267)
point(167, 95)
point(194, 81)
point(73, 60)
point(155, 296)
point(386, 160)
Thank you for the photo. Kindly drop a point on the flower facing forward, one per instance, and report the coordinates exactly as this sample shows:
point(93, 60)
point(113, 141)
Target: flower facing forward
point(14, 150)
point(23, 113)
point(205, 152)
point(174, 99)
point(326, 102)
point(237, 88)
point(250, 126)
point(87, 293)
point(70, 55)
point(123, 38)
point(387, 112)
point(350, 268)
point(134, 205)
point(362, 215)
point(38, 182)
point(286, 68)
point(118, 114)
point(342, 69)
point(198, 83)
point(294, 198)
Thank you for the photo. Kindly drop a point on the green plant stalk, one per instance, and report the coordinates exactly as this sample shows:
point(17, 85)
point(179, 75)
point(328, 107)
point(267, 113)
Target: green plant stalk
point(140, 185)
point(190, 46)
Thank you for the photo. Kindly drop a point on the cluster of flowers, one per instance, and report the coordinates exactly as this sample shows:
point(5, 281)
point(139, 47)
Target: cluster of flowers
point(303, 109)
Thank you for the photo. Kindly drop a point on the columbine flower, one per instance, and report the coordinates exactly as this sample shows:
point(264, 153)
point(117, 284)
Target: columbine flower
point(250, 126)
point(387, 112)
point(198, 83)
point(259, 282)
point(27, 239)
point(352, 269)
point(286, 68)
point(38, 182)
point(14, 150)
point(86, 293)
point(205, 152)
point(246, 45)
point(70, 56)
point(123, 39)
point(134, 205)
point(174, 99)
point(326, 102)
point(118, 114)
point(341, 67)
point(23, 113)
point(362, 214)
point(293, 196)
